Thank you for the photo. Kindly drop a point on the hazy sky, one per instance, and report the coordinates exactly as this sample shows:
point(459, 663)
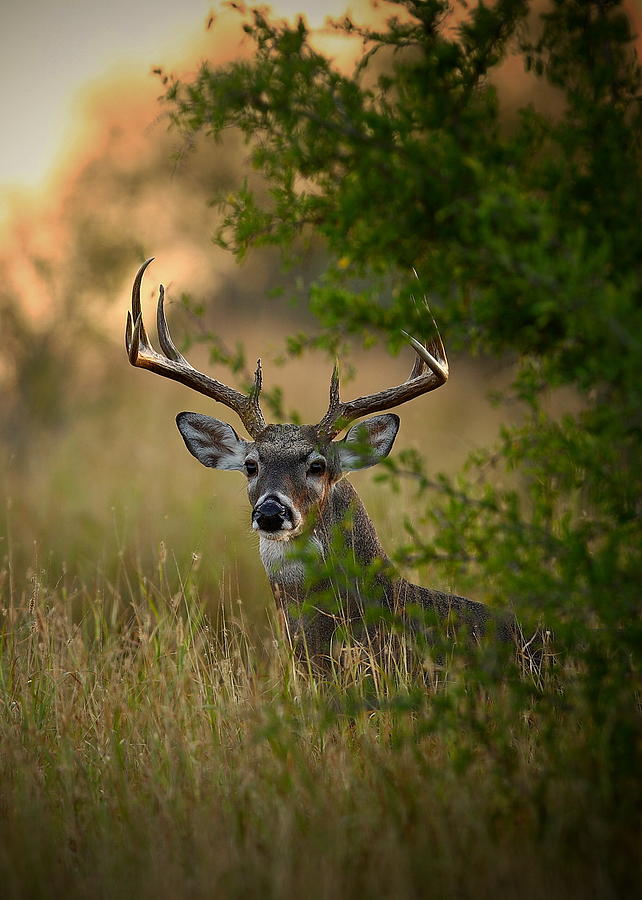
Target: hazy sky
point(49, 49)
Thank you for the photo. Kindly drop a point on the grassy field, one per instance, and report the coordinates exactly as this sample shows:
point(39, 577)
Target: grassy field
point(158, 740)
point(152, 751)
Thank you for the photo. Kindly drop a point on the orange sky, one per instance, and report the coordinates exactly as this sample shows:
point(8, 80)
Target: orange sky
point(49, 51)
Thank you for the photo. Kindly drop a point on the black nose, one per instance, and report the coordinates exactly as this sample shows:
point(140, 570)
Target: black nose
point(270, 515)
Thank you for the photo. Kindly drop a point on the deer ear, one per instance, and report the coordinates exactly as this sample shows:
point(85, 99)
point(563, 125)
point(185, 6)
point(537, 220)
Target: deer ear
point(367, 443)
point(212, 442)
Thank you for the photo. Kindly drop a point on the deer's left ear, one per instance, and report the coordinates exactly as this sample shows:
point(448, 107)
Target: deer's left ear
point(367, 443)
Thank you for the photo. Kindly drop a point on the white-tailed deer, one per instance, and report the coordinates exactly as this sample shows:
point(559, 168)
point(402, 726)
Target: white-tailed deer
point(302, 506)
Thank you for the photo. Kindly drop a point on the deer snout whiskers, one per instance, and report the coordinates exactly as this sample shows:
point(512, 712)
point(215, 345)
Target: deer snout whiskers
point(275, 516)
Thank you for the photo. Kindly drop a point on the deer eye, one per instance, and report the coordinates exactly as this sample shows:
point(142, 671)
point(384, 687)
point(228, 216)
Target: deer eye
point(251, 467)
point(317, 467)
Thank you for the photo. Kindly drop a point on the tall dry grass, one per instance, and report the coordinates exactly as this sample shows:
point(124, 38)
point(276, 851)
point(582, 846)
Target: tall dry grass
point(149, 750)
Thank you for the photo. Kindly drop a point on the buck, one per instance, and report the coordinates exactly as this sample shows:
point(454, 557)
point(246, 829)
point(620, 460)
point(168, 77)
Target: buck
point(302, 507)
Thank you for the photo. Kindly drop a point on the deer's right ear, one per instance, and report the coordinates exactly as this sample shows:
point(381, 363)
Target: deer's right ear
point(368, 442)
point(212, 442)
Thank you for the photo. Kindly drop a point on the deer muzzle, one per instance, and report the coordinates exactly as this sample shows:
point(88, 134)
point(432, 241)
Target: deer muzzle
point(271, 515)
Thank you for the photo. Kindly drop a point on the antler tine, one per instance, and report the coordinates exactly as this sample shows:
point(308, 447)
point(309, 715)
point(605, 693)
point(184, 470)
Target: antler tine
point(136, 307)
point(173, 365)
point(128, 332)
point(258, 380)
point(334, 406)
point(135, 342)
point(334, 384)
point(438, 354)
point(418, 368)
point(419, 364)
point(431, 357)
point(164, 337)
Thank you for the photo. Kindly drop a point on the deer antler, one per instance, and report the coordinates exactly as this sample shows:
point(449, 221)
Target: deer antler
point(173, 365)
point(430, 371)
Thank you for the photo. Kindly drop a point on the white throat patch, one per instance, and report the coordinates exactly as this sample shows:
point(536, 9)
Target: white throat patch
point(280, 560)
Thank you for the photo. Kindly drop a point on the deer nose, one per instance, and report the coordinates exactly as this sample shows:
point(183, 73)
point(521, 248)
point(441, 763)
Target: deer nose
point(270, 515)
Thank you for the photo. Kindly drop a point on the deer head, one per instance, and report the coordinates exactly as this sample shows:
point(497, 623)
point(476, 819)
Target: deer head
point(290, 469)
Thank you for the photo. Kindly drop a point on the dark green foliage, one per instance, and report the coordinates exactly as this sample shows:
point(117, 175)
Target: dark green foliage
point(526, 231)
